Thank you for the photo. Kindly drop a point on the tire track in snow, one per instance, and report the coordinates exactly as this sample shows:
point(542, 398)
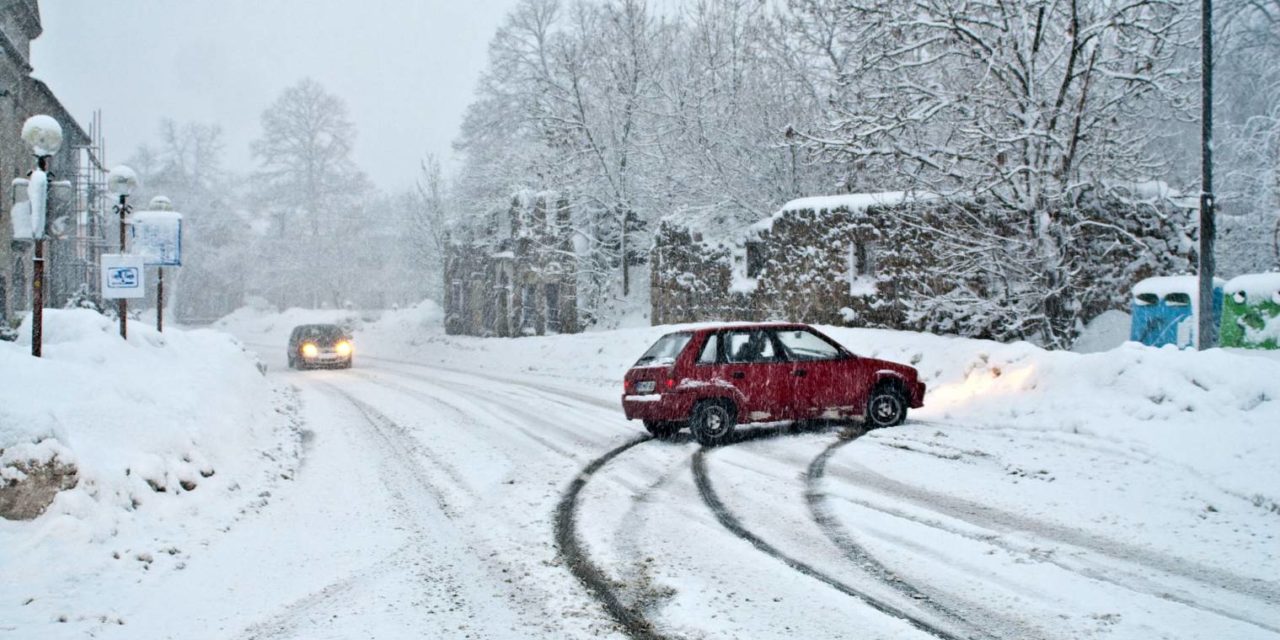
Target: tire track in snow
point(990, 518)
point(858, 554)
point(456, 407)
point(403, 449)
point(731, 523)
point(571, 550)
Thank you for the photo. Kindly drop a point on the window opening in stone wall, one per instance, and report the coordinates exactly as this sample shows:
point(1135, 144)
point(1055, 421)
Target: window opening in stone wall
point(553, 307)
point(527, 296)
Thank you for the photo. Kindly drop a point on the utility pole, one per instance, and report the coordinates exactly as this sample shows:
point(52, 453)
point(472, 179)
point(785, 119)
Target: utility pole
point(1207, 331)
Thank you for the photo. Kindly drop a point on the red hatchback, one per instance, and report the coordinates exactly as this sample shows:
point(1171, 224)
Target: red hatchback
point(714, 378)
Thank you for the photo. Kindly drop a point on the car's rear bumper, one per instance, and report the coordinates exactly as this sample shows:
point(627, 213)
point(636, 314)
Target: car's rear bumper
point(917, 395)
point(656, 406)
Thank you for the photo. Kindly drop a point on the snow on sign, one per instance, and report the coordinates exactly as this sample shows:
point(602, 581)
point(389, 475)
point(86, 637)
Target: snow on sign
point(157, 237)
point(123, 276)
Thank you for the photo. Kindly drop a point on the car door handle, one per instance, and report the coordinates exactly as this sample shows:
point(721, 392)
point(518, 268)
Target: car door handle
point(738, 375)
point(799, 373)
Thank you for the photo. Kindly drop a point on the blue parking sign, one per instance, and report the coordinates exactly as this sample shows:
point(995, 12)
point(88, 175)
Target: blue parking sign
point(123, 276)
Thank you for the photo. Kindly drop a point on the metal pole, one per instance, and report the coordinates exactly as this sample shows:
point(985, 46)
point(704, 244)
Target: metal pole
point(124, 304)
point(37, 306)
point(1207, 331)
point(160, 300)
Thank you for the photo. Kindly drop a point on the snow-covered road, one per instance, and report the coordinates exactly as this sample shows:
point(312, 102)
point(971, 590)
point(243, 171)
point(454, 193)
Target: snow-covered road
point(457, 487)
point(440, 502)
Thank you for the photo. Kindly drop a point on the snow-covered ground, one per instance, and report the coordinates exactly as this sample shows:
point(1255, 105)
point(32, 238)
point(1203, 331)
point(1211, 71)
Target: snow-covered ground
point(464, 487)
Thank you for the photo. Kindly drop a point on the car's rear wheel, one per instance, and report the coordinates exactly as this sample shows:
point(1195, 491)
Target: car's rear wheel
point(662, 428)
point(712, 422)
point(887, 407)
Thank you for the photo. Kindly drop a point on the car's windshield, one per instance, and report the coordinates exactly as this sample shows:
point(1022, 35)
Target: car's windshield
point(665, 350)
point(325, 332)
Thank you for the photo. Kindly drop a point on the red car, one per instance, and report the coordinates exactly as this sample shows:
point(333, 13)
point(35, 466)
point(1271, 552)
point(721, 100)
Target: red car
point(714, 378)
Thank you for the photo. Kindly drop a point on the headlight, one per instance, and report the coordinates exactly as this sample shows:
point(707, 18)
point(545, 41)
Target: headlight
point(309, 350)
point(343, 348)
point(1239, 297)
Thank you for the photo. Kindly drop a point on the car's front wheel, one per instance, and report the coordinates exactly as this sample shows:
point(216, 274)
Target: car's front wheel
point(887, 407)
point(712, 422)
point(661, 428)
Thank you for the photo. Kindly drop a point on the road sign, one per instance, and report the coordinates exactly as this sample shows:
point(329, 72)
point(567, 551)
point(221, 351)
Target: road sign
point(123, 276)
point(157, 237)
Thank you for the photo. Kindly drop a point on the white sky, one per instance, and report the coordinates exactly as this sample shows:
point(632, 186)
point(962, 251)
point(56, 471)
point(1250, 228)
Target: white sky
point(406, 68)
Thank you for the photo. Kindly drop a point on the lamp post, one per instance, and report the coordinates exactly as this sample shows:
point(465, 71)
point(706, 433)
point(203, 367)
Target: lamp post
point(122, 181)
point(160, 203)
point(44, 135)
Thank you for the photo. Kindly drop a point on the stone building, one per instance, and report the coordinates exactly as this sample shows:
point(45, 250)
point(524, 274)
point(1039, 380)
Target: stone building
point(917, 262)
point(72, 255)
point(515, 274)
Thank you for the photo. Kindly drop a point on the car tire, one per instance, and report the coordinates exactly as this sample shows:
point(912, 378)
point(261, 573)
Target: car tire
point(887, 407)
point(713, 422)
point(661, 428)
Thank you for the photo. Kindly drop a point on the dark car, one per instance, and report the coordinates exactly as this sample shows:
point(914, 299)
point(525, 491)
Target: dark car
point(320, 345)
point(711, 379)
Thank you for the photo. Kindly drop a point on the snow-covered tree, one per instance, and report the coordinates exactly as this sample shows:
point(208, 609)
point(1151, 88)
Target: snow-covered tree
point(314, 196)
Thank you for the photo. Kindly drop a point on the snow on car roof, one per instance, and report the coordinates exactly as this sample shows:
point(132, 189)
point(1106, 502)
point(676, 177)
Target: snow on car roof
point(1255, 284)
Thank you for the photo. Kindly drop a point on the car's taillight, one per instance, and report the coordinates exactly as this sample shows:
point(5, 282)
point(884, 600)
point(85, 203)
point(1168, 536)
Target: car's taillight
point(671, 382)
point(628, 385)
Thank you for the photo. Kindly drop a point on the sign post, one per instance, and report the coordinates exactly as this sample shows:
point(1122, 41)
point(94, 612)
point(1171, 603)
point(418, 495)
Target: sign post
point(123, 276)
point(157, 238)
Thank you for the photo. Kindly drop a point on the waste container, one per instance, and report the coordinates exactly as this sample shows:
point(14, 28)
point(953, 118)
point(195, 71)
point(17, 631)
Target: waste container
point(1163, 310)
point(1251, 317)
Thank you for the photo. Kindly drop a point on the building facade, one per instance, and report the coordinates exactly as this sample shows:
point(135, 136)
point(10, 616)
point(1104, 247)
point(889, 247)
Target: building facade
point(514, 275)
point(76, 237)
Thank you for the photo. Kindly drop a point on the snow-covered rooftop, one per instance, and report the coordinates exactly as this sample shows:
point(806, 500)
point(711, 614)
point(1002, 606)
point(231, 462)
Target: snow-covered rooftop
point(1255, 285)
point(1164, 285)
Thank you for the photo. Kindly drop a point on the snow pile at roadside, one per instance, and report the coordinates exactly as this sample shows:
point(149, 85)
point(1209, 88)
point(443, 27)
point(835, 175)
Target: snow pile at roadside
point(171, 437)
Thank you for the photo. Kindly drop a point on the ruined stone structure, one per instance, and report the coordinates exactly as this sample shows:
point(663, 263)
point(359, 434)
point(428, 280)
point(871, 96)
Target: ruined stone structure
point(910, 262)
point(515, 274)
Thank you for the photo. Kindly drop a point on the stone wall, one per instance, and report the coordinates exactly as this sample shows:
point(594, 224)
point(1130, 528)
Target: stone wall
point(515, 275)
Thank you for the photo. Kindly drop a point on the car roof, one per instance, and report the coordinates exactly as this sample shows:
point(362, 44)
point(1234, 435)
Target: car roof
point(729, 326)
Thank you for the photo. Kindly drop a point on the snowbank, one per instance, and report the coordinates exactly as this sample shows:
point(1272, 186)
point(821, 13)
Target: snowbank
point(168, 434)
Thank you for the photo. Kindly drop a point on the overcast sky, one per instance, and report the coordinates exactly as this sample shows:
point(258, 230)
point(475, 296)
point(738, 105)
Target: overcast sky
point(406, 68)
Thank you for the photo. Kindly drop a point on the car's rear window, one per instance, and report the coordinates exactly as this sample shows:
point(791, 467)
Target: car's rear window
point(665, 350)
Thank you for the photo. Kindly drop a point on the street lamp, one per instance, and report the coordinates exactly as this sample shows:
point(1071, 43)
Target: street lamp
point(44, 135)
point(122, 181)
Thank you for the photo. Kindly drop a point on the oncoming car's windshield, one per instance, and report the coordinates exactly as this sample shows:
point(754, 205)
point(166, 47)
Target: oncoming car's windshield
point(666, 349)
point(320, 332)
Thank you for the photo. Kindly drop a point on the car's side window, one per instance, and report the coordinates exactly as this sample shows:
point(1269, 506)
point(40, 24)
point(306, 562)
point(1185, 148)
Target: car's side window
point(806, 345)
point(710, 350)
point(749, 346)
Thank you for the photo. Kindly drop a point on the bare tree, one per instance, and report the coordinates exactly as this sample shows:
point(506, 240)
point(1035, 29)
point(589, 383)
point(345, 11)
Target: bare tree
point(313, 193)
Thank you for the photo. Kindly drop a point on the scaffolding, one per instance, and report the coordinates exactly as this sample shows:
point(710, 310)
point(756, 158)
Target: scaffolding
point(92, 209)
